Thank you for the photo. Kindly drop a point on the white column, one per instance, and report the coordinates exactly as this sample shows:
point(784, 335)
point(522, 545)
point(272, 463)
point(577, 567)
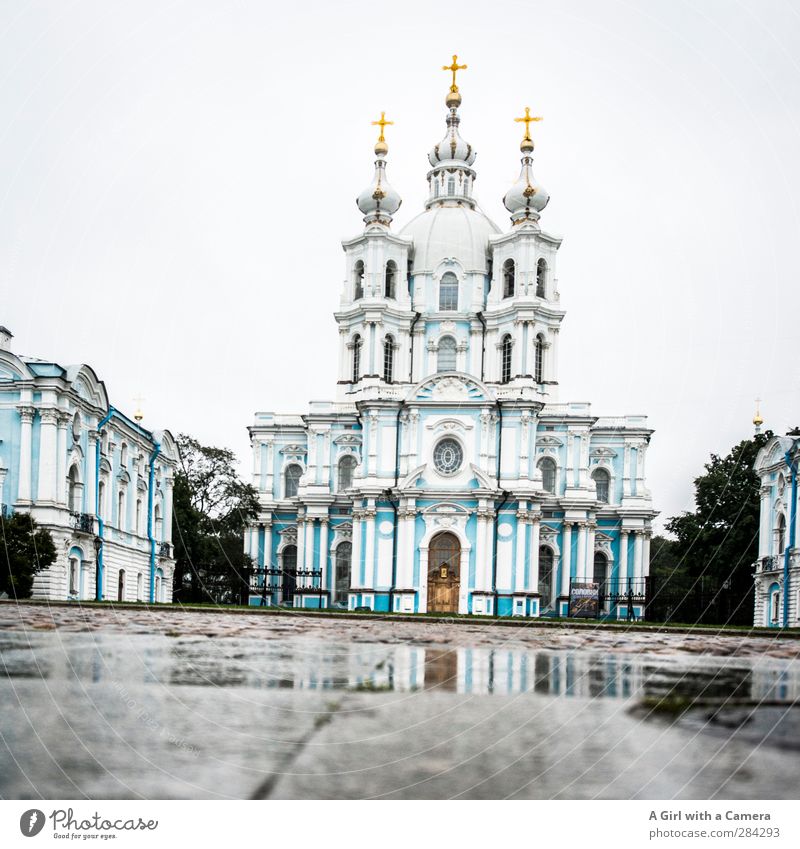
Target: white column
point(168, 484)
point(61, 466)
point(355, 571)
point(590, 552)
point(763, 536)
point(323, 553)
point(309, 547)
point(637, 557)
point(566, 558)
point(519, 567)
point(626, 471)
point(268, 544)
point(623, 562)
point(90, 494)
point(488, 560)
point(48, 455)
point(533, 573)
point(481, 552)
point(26, 415)
point(370, 544)
point(580, 566)
point(301, 542)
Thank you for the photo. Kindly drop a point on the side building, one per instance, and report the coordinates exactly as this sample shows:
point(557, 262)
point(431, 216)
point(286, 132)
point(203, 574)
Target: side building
point(96, 479)
point(777, 570)
point(447, 476)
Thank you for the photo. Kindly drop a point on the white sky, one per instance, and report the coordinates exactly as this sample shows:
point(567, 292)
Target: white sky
point(176, 178)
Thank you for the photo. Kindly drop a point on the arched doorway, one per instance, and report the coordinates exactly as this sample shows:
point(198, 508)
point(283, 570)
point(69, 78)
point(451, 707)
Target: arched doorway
point(545, 577)
point(121, 585)
point(444, 568)
point(600, 577)
point(341, 589)
point(289, 573)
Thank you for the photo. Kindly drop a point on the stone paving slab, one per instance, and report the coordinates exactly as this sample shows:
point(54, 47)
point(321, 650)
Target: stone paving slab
point(109, 703)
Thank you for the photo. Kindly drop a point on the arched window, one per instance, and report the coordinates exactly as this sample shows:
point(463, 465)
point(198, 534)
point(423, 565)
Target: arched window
point(601, 481)
point(775, 606)
point(780, 534)
point(344, 554)
point(448, 293)
point(446, 358)
point(358, 280)
point(390, 279)
point(356, 358)
point(121, 585)
point(140, 587)
point(121, 510)
point(509, 274)
point(541, 278)
point(289, 572)
point(546, 574)
point(388, 359)
point(138, 515)
point(347, 466)
point(123, 455)
point(538, 359)
point(600, 570)
point(548, 469)
point(451, 185)
point(291, 479)
point(505, 356)
point(74, 572)
point(159, 524)
point(101, 499)
point(74, 490)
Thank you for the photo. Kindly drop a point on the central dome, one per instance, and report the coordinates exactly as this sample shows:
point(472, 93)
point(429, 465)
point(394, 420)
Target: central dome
point(450, 231)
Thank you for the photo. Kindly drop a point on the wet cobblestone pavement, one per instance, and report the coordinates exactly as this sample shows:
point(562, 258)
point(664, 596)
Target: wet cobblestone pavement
point(127, 703)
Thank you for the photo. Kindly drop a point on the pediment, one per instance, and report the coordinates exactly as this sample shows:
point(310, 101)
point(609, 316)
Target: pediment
point(548, 440)
point(410, 479)
point(450, 388)
point(295, 449)
point(602, 453)
point(347, 439)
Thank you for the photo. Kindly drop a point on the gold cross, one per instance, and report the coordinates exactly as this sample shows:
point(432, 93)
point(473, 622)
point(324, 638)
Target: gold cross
point(454, 68)
point(527, 121)
point(382, 123)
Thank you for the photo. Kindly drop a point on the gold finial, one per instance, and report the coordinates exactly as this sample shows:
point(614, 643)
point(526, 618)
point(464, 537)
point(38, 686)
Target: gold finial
point(381, 148)
point(382, 123)
point(526, 119)
point(455, 67)
point(757, 419)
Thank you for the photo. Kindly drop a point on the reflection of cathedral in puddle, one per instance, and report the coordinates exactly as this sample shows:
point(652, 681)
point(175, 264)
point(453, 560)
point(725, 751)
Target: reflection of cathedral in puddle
point(477, 671)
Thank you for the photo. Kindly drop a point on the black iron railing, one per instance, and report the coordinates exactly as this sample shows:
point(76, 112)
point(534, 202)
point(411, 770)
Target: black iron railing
point(83, 522)
point(622, 591)
point(164, 549)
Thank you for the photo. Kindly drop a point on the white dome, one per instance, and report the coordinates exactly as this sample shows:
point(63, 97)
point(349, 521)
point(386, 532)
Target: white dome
point(448, 231)
point(379, 201)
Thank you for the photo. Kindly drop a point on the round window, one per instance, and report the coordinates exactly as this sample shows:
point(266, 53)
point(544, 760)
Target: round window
point(448, 457)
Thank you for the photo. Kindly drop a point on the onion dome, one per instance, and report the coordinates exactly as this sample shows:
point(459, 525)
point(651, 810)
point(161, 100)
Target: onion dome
point(526, 198)
point(452, 149)
point(379, 201)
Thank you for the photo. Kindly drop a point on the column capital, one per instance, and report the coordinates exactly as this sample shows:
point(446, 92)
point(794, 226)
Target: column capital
point(48, 415)
point(26, 413)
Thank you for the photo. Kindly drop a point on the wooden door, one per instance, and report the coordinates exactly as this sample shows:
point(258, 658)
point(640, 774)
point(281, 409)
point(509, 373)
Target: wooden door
point(444, 567)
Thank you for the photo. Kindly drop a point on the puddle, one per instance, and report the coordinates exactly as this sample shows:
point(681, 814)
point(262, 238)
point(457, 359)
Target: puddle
point(303, 663)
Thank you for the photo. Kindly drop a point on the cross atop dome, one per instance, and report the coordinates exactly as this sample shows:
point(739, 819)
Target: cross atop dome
point(453, 98)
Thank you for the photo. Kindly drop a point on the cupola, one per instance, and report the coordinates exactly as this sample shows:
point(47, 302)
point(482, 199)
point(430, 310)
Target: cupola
point(526, 198)
point(379, 201)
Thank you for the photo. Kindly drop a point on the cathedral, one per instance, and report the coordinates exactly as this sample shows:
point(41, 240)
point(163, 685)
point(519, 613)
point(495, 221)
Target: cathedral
point(447, 477)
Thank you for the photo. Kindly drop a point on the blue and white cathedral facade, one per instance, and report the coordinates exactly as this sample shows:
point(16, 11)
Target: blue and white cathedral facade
point(98, 481)
point(447, 476)
point(777, 569)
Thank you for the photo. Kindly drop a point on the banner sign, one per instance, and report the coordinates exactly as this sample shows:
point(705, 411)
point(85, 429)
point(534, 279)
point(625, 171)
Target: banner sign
point(584, 600)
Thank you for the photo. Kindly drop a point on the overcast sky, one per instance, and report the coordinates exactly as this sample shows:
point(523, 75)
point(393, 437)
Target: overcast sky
point(177, 176)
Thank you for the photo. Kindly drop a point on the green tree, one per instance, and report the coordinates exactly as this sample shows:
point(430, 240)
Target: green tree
point(211, 508)
point(28, 550)
point(716, 545)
